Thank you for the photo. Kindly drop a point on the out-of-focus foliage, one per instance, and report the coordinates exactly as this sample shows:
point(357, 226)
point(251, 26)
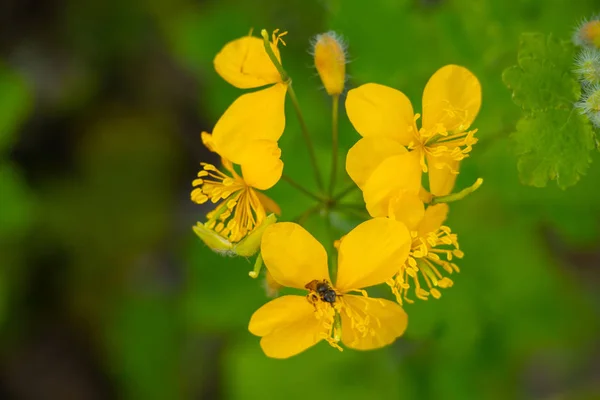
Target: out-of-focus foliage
point(553, 140)
point(109, 293)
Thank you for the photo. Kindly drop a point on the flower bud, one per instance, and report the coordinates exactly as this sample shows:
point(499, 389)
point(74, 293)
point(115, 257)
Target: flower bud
point(245, 247)
point(587, 33)
point(329, 52)
point(251, 243)
point(590, 104)
point(587, 66)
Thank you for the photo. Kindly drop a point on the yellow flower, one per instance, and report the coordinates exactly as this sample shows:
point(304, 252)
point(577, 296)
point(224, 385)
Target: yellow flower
point(248, 131)
point(240, 207)
point(380, 163)
point(432, 250)
point(368, 255)
point(330, 60)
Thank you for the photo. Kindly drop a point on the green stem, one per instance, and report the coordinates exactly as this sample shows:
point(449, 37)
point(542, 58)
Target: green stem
point(301, 188)
point(257, 266)
point(458, 196)
point(344, 192)
point(361, 214)
point(306, 135)
point(334, 140)
point(288, 81)
point(267, 43)
point(304, 216)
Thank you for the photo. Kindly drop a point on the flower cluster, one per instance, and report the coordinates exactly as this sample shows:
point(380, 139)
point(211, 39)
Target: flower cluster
point(403, 241)
point(587, 68)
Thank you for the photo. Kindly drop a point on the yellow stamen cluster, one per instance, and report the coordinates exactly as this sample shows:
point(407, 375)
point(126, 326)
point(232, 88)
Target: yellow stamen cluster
point(326, 313)
point(238, 210)
point(424, 262)
point(439, 142)
point(361, 321)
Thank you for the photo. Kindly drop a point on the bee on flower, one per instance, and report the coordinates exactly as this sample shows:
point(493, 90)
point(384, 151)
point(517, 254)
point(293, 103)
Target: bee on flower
point(368, 256)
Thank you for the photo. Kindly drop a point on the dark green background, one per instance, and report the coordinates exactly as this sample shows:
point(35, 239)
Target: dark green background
point(106, 293)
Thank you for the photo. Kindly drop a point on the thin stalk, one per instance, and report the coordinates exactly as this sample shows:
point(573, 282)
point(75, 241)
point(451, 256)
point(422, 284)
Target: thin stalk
point(306, 135)
point(301, 188)
point(304, 216)
point(288, 81)
point(334, 141)
point(458, 196)
point(344, 192)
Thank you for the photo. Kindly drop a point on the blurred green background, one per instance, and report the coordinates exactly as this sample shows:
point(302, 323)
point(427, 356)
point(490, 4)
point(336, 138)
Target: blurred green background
point(106, 293)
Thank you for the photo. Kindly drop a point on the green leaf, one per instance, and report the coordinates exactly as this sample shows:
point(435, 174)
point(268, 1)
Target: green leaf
point(542, 79)
point(553, 144)
point(15, 102)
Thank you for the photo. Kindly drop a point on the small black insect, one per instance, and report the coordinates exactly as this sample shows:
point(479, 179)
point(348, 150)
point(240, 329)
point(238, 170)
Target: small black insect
point(324, 291)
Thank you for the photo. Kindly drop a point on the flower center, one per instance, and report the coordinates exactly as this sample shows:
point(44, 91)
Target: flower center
point(424, 264)
point(239, 209)
point(439, 143)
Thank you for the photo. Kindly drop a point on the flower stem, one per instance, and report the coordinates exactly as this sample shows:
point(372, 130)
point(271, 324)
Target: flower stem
point(334, 141)
point(306, 135)
point(284, 76)
point(344, 192)
point(458, 196)
point(301, 188)
point(288, 81)
point(257, 266)
point(304, 216)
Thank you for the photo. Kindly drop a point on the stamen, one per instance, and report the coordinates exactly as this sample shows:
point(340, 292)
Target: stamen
point(426, 262)
point(238, 209)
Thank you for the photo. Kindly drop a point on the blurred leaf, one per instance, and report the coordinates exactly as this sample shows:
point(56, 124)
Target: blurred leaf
point(143, 346)
point(555, 145)
point(16, 203)
point(15, 103)
point(553, 141)
point(542, 79)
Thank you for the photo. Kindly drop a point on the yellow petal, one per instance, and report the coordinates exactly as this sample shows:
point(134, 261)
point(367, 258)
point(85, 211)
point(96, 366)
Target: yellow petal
point(268, 203)
point(262, 167)
point(441, 175)
point(253, 116)
point(244, 63)
point(207, 141)
point(367, 154)
point(372, 253)
point(387, 322)
point(434, 218)
point(397, 173)
point(408, 209)
point(378, 110)
point(292, 256)
point(287, 325)
point(452, 97)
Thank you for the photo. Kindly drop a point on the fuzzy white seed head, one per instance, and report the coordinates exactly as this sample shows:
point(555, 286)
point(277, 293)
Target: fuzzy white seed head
point(587, 67)
point(590, 104)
